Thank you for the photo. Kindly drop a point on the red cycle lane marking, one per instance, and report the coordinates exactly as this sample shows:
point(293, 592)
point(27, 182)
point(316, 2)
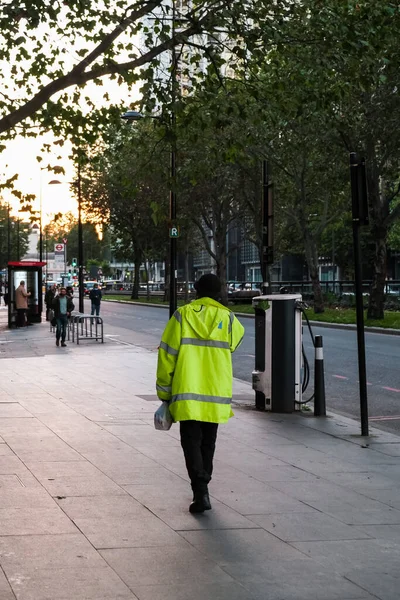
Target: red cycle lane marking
point(340, 377)
point(390, 389)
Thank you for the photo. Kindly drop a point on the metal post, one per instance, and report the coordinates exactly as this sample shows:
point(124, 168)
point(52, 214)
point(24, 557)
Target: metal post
point(172, 196)
point(358, 190)
point(80, 243)
point(40, 222)
point(319, 379)
point(8, 234)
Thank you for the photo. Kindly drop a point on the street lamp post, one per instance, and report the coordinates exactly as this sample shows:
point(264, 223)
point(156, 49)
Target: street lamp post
point(8, 234)
point(80, 242)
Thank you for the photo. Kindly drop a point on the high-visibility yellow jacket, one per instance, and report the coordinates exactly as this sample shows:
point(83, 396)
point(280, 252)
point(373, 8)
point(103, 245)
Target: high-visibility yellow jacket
point(194, 371)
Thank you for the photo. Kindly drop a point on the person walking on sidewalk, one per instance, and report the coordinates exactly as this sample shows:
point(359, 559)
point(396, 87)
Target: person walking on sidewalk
point(194, 375)
point(21, 303)
point(62, 306)
point(95, 297)
point(49, 299)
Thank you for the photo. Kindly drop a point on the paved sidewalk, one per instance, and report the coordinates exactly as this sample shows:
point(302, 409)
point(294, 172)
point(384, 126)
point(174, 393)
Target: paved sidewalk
point(94, 501)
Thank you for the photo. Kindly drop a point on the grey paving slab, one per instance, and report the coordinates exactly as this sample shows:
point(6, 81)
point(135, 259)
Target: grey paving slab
point(31, 520)
point(25, 498)
point(94, 485)
point(6, 592)
point(13, 410)
point(70, 584)
point(256, 500)
point(326, 496)
point(171, 504)
point(164, 565)
point(392, 449)
point(382, 515)
point(27, 553)
point(195, 591)
point(324, 588)
point(364, 480)
point(139, 531)
point(382, 585)
point(52, 469)
point(245, 546)
point(312, 526)
point(102, 507)
point(382, 532)
point(351, 555)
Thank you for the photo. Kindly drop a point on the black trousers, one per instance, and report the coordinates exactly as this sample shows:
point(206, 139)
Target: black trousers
point(21, 317)
point(198, 444)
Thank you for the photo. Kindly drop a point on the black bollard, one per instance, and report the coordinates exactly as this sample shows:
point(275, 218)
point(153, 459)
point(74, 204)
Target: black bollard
point(319, 379)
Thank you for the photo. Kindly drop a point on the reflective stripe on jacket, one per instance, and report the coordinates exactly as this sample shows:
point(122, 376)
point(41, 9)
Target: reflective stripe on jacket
point(194, 371)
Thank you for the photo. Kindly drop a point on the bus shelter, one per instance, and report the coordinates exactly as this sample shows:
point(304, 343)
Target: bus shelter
point(31, 273)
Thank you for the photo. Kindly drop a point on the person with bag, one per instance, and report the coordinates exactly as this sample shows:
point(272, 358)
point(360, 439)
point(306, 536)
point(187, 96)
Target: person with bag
point(194, 377)
point(62, 306)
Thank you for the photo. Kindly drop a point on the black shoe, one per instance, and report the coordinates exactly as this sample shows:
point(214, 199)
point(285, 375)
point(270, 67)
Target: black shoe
point(200, 503)
point(57, 342)
point(63, 344)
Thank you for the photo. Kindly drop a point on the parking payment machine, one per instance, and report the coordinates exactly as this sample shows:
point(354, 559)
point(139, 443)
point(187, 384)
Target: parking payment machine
point(31, 273)
point(277, 377)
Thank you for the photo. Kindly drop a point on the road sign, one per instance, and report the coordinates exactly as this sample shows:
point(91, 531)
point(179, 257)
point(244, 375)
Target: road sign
point(58, 247)
point(174, 232)
point(65, 240)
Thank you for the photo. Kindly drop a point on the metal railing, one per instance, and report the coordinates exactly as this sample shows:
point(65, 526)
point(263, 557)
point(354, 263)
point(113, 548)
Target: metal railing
point(85, 327)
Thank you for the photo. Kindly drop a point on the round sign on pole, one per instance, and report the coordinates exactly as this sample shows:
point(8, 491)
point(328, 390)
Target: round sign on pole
point(59, 247)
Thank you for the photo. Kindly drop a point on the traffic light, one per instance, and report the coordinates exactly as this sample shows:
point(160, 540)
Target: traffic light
point(74, 262)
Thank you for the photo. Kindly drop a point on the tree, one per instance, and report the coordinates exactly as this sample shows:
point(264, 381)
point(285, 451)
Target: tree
point(49, 52)
point(19, 237)
point(343, 62)
point(66, 226)
point(125, 185)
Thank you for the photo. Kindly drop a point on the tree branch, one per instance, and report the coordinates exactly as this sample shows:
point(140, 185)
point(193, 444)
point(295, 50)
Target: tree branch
point(77, 76)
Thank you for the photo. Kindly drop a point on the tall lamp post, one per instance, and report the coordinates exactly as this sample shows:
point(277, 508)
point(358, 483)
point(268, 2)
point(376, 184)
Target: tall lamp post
point(133, 115)
point(80, 243)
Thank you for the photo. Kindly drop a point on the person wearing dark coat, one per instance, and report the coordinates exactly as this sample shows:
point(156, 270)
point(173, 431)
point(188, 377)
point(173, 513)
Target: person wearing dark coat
point(49, 299)
point(62, 306)
point(95, 297)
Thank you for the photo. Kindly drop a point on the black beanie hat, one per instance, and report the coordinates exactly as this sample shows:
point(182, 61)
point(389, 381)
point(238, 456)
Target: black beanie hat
point(208, 285)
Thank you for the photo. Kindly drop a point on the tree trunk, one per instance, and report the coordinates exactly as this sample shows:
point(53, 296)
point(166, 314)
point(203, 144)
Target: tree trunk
point(186, 275)
point(147, 281)
point(378, 212)
point(136, 281)
point(312, 264)
point(167, 278)
point(220, 250)
point(377, 292)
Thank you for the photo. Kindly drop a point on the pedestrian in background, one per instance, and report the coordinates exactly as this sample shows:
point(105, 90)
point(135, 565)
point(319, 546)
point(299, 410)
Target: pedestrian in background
point(95, 298)
point(49, 299)
point(194, 375)
point(21, 303)
point(62, 306)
